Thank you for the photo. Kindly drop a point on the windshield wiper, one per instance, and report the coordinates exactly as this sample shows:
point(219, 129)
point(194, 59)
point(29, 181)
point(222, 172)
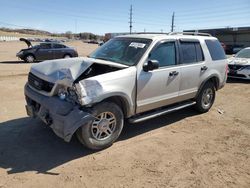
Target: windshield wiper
point(106, 59)
point(109, 59)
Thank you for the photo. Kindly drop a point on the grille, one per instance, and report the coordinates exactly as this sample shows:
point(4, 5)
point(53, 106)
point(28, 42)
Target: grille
point(237, 75)
point(39, 84)
point(235, 67)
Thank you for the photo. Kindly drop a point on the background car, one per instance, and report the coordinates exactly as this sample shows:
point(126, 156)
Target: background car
point(45, 51)
point(233, 49)
point(239, 65)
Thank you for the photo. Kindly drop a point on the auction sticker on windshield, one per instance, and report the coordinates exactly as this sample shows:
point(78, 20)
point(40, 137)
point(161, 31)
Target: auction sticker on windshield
point(137, 45)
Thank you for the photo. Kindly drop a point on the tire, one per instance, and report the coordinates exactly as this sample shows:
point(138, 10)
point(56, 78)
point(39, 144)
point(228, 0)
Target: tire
point(29, 58)
point(66, 56)
point(105, 129)
point(206, 98)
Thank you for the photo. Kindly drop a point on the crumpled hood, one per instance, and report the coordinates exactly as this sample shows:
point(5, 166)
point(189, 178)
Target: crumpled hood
point(240, 61)
point(70, 69)
point(53, 70)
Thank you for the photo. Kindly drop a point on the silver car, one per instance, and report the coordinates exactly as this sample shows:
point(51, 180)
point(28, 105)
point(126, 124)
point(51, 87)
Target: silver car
point(133, 77)
point(239, 66)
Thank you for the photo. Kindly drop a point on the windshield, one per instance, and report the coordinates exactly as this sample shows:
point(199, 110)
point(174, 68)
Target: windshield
point(245, 53)
point(127, 51)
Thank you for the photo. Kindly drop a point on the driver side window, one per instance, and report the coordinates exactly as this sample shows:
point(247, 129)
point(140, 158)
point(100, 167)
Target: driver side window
point(165, 54)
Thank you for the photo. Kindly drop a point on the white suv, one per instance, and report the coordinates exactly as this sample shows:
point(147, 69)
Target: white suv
point(134, 77)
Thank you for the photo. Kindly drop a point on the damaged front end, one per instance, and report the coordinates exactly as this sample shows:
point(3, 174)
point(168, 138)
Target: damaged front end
point(59, 93)
point(63, 117)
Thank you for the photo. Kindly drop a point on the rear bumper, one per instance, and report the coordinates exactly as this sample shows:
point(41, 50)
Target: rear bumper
point(63, 117)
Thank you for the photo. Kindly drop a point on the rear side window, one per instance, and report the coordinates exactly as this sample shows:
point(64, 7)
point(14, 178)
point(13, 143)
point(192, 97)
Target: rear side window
point(191, 52)
point(45, 46)
point(215, 49)
point(58, 46)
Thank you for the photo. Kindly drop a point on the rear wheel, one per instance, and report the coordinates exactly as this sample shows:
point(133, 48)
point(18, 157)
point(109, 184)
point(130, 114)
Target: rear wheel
point(104, 129)
point(29, 58)
point(67, 56)
point(205, 98)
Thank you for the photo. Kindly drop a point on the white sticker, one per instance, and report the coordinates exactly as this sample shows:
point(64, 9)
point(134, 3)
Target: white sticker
point(137, 45)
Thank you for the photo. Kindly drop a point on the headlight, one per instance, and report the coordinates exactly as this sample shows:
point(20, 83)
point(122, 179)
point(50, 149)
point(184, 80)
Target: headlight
point(62, 93)
point(87, 90)
point(247, 67)
point(20, 53)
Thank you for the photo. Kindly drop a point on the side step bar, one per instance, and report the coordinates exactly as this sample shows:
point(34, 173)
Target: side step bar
point(155, 114)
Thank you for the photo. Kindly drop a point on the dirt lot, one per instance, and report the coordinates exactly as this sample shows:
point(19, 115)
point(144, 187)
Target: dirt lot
point(182, 149)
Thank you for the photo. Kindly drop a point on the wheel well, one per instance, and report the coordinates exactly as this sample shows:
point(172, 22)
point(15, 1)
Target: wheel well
point(67, 54)
point(121, 102)
point(215, 81)
point(30, 54)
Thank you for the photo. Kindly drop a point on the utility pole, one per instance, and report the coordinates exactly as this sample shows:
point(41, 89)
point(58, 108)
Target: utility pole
point(130, 19)
point(172, 25)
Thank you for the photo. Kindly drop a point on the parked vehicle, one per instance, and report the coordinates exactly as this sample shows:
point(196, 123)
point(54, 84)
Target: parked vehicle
point(239, 65)
point(93, 42)
point(224, 46)
point(233, 49)
point(45, 51)
point(133, 77)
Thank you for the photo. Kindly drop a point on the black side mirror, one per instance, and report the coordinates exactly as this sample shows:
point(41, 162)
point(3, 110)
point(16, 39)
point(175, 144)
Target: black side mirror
point(151, 65)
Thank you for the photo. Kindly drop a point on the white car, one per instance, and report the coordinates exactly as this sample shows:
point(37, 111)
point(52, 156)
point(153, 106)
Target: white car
point(239, 66)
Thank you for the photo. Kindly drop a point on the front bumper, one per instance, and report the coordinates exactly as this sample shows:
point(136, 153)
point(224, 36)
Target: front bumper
point(241, 73)
point(63, 117)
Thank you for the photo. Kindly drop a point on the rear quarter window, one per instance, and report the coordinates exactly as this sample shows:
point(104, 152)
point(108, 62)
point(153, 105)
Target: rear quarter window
point(215, 49)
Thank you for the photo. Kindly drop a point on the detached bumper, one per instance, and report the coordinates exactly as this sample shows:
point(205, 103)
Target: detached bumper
point(63, 117)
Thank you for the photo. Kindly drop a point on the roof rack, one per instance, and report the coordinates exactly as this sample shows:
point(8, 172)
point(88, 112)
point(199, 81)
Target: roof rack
point(190, 33)
point(151, 33)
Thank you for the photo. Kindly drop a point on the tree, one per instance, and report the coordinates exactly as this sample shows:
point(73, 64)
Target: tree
point(69, 35)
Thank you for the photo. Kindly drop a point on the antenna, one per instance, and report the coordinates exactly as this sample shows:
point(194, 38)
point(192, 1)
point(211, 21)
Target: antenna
point(130, 19)
point(172, 25)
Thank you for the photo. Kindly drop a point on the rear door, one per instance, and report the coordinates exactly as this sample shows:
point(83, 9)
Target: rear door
point(44, 52)
point(159, 87)
point(192, 67)
point(58, 50)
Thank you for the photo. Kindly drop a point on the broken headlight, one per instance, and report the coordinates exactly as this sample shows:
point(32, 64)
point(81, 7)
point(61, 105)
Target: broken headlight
point(62, 93)
point(87, 90)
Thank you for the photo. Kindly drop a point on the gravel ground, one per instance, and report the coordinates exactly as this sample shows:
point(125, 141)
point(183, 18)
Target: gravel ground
point(182, 149)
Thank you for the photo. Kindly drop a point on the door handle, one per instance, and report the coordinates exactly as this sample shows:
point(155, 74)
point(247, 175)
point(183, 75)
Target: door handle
point(204, 68)
point(173, 73)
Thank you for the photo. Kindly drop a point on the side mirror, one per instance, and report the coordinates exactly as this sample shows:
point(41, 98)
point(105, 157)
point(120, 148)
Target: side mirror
point(151, 65)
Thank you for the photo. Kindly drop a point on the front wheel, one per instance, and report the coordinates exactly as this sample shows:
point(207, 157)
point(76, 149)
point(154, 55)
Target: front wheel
point(29, 58)
point(205, 98)
point(104, 129)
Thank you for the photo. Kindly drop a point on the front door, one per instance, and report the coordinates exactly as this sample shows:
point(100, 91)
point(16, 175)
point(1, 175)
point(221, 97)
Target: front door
point(159, 87)
point(44, 52)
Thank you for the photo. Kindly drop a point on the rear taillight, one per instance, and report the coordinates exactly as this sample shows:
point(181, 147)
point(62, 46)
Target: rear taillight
point(226, 70)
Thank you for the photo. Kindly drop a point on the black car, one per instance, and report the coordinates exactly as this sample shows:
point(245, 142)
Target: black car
point(45, 51)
